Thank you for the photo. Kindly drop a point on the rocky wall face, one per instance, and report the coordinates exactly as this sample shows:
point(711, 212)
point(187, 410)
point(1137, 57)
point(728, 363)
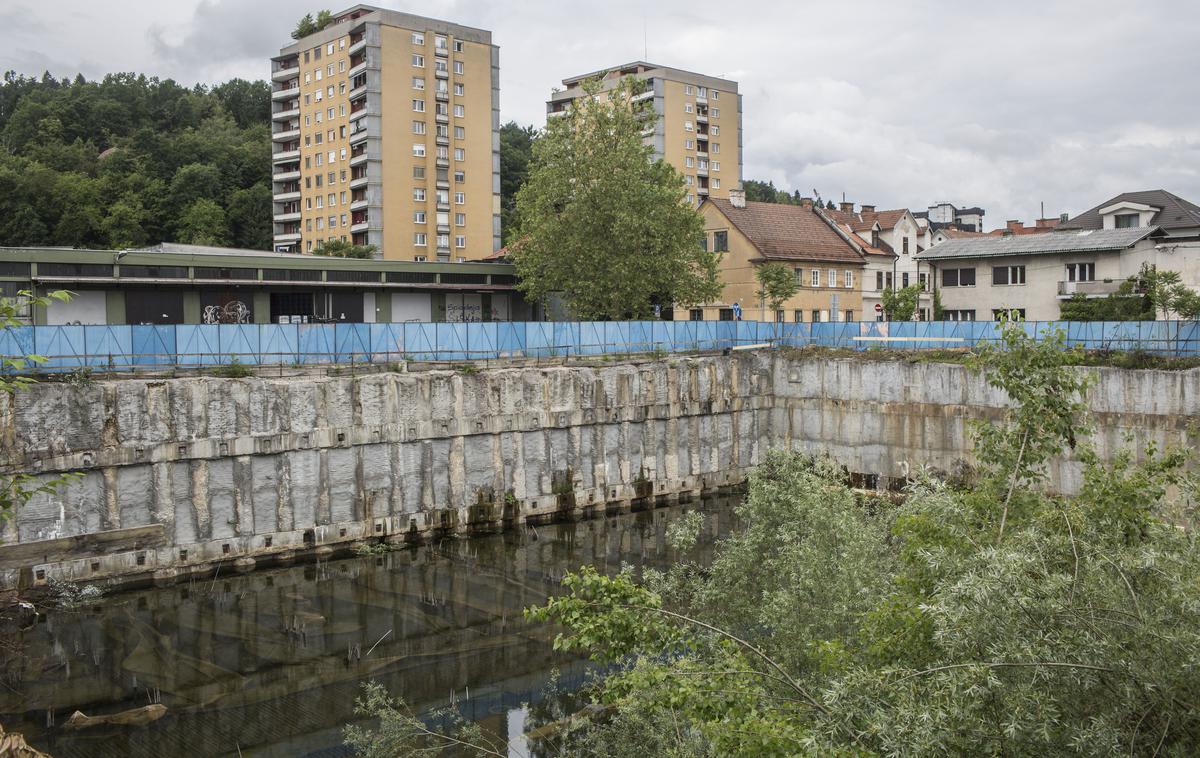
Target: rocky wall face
point(178, 475)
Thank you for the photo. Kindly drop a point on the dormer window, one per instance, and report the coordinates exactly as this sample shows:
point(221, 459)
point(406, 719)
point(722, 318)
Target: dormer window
point(1126, 220)
point(874, 238)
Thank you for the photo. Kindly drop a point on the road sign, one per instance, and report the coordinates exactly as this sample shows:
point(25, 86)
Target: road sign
point(878, 308)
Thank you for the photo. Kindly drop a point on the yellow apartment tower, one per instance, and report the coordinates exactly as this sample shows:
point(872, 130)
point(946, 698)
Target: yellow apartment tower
point(385, 132)
point(699, 127)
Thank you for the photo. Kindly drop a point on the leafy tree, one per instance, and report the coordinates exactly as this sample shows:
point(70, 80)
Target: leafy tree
point(901, 304)
point(776, 285)
point(1122, 305)
point(1186, 303)
point(602, 224)
point(1161, 287)
point(341, 249)
point(516, 150)
point(247, 102)
point(250, 217)
point(203, 223)
point(307, 25)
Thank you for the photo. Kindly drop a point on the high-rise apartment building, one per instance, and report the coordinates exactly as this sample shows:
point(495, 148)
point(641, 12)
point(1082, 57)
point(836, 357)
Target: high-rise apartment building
point(386, 132)
point(699, 127)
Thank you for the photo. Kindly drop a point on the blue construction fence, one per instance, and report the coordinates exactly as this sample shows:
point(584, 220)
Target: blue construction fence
point(188, 345)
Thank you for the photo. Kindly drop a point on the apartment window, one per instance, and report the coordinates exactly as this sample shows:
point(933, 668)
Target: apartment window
point(319, 138)
point(443, 197)
point(1126, 220)
point(690, 181)
point(958, 277)
point(458, 46)
point(306, 56)
point(343, 175)
point(320, 201)
point(460, 242)
point(458, 67)
point(780, 316)
point(333, 222)
point(716, 148)
point(306, 100)
point(418, 61)
point(1008, 314)
point(958, 315)
point(329, 68)
point(319, 177)
point(317, 75)
point(460, 154)
point(689, 162)
point(418, 82)
point(419, 194)
point(320, 157)
point(887, 280)
point(1003, 275)
point(331, 199)
point(904, 279)
point(419, 217)
point(702, 92)
point(798, 316)
point(440, 66)
point(1081, 272)
point(687, 107)
point(725, 314)
point(715, 165)
point(343, 197)
point(419, 258)
point(459, 111)
point(715, 112)
point(716, 130)
point(418, 106)
point(688, 144)
point(460, 219)
point(849, 315)
point(816, 316)
point(922, 279)
point(816, 278)
point(329, 91)
point(420, 239)
point(460, 133)
point(459, 90)
point(848, 278)
point(460, 177)
point(441, 43)
point(720, 242)
point(716, 184)
point(342, 66)
point(320, 222)
point(418, 38)
point(832, 278)
point(713, 94)
point(317, 96)
point(687, 126)
point(460, 198)
point(904, 245)
point(418, 127)
point(443, 240)
point(878, 281)
point(688, 89)
point(696, 314)
point(342, 90)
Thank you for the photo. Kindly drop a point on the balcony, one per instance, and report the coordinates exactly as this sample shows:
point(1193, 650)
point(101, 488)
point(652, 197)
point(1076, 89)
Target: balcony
point(443, 206)
point(362, 226)
point(286, 135)
point(359, 182)
point(358, 135)
point(358, 160)
point(442, 140)
point(357, 47)
point(284, 156)
point(281, 197)
point(287, 93)
point(442, 95)
point(701, 153)
point(701, 118)
point(441, 52)
point(443, 228)
point(291, 111)
point(357, 70)
point(285, 73)
point(701, 100)
point(357, 92)
point(287, 237)
point(443, 184)
point(441, 73)
point(442, 118)
point(358, 205)
point(702, 191)
point(286, 176)
point(1100, 288)
point(442, 163)
point(289, 216)
point(701, 171)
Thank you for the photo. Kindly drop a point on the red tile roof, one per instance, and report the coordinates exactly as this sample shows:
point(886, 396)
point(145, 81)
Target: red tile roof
point(862, 221)
point(952, 233)
point(787, 232)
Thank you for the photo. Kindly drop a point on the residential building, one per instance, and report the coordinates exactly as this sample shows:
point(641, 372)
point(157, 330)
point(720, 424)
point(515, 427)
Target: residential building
point(827, 266)
point(191, 284)
point(386, 132)
point(889, 241)
point(1027, 276)
point(943, 214)
point(699, 126)
point(938, 236)
point(1179, 219)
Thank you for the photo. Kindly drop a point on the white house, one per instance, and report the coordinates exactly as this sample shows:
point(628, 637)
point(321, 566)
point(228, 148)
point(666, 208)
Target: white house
point(890, 241)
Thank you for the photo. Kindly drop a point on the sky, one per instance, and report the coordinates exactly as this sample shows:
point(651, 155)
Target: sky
point(1004, 105)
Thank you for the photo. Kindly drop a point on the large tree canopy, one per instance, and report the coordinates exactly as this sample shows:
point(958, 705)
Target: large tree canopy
point(604, 226)
point(126, 160)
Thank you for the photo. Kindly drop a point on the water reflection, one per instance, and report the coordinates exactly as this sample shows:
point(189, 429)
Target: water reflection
point(269, 664)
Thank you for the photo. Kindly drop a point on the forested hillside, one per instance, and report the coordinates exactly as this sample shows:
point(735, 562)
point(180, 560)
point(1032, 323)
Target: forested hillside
point(132, 160)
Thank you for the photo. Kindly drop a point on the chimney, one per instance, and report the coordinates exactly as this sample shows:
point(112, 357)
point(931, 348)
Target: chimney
point(846, 207)
point(867, 208)
point(1014, 225)
point(806, 202)
point(737, 198)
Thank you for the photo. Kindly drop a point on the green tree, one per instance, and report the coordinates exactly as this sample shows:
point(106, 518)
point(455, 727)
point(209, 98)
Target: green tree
point(340, 249)
point(1161, 287)
point(304, 27)
point(249, 103)
point(203, 223)
point(776, 285)
point(123, 224)
point(250, 217)
point(901, 304)
point(516, 150)
point(1186, 303)
point(601, 224)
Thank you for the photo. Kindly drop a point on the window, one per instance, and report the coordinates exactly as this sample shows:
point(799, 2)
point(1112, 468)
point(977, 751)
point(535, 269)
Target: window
point(816, 316)
point(419, 150)
point(848, 278)
point(696, 314)
point(690, 180)
point(849, 315)
point(418, 38)
point(441, 43)
point(702, 92)
point(832, 278)
point(418, 127)
point(459, 111)
point(725, 314)
point(878, 281)
point(460, 154)
point(720, 242)
point(887, 280)
point(460, 133)
point(460, 177)
point(1002, 275)
point(419, 217)
point(958, 277)
point(924, 281)
point(458, 46)
point(687, 107)
point(715, 165)
point(342, 66)
point(460, 219)
point(688, 144)
point(420, 258)
point(688, 89)
point(687, 126)
point(904, 279)
point(460, 242)
point(958, 315)
point(713, 94)
point(320, 158)
point(716, 130)
point(317, 75)
point(320, 201)
point(716, 148)
point(420, 239)
point(419, 194)
point(1081, 272)
point(1126, 220)
point(418, 106)
point(798, 316)
point(781, 315)
point(333, 222)
point(716, 184)
point(458, 67)
point(320, 222)
point(460, 198)
point(716, 112)
point(799, 272)
point(1008, 314)
point(319, 138)
point(459, 90)
point(418, 172)
point(316, 53)
point(904, 245)
point(317, 96)
point(418, 61)
point(329, 68)
point(418, 82)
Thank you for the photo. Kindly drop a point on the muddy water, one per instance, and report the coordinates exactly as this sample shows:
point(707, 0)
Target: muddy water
point(269, 664)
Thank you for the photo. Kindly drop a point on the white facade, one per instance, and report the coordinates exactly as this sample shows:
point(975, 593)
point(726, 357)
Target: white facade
point(85, 307)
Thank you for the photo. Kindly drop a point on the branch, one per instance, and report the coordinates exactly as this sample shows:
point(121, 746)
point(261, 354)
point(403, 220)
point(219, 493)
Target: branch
point(1011, 664)
point(1012, 483)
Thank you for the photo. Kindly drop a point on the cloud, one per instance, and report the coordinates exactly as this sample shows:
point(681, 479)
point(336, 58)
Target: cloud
point(1003, 105)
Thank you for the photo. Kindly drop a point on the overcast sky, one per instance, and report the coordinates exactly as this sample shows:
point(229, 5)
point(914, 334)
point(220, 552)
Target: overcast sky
point(1000, 104)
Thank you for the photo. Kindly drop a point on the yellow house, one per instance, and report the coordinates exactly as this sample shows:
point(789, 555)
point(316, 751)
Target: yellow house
point(749, 234)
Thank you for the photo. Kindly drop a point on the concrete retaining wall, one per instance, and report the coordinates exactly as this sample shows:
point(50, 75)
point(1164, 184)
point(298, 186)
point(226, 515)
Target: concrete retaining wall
point(181, 475)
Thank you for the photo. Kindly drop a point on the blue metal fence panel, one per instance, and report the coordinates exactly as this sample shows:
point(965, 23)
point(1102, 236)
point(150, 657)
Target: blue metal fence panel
point(419, 340)
point(62, 346)
point(482, 339)
point(16, 342)
point(387, 342)
point(510, 339)
point(592, 339)
point(197, 344)
point(153, 344)
point(318, 343)
point(450, 342)
point(279, 343)
point(353, 342)
point(239, 342)
point(108, 346)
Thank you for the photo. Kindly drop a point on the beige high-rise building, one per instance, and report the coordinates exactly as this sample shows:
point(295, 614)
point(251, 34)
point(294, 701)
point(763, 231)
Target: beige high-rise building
point(386, 132)
point(699, 127)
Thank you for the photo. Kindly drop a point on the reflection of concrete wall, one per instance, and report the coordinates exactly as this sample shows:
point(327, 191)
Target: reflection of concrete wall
point(242, 468)
point(84, 307)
